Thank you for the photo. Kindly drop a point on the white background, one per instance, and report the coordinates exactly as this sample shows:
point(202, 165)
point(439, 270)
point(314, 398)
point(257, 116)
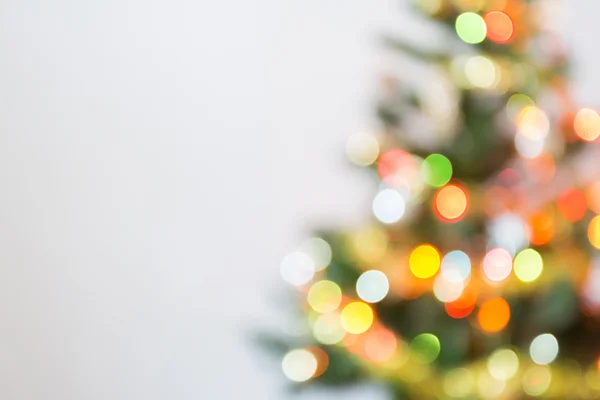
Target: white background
point(157, 159)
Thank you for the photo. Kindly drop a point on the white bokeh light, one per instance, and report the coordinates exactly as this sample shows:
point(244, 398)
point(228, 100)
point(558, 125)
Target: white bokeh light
point(362, 149)
point(544, 349)
point(389, 206)
point(319, 250)
point(372, 286)
point(299, 365)
point(447, 291)
point(510, 232)
point(456, 266)
point(297, 268)
point(529, 148)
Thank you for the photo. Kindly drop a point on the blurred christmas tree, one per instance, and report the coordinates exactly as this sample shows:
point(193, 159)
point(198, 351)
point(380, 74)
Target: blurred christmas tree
point(478, 278)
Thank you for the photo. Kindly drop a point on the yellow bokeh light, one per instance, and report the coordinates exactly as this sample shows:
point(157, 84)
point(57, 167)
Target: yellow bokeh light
point(537, 380)
point(362, 149)
point(459, 382)
point(424, 261)
point(357, 317)
point(327, 329)
point(503, 364)
point(528, 265)
point(594, 232)
point(324, 296)
point(533, 123)
point(481, 72)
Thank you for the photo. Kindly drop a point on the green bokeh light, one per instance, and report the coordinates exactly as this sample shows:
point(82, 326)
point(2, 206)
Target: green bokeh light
point(471, 28)
point(425, 348)
point(528, 265)
point(436, 170)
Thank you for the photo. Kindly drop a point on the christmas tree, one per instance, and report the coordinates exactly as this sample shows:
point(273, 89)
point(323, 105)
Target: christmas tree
point(478, 277)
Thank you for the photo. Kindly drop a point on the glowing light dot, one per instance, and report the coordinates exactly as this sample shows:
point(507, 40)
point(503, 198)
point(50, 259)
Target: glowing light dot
point(516, 103)
point(425, 348)
point(528, 265)
point(424, 261)
point(463, 306)
point(395, 163)
point(380, 345)
point(503, 364)
point(362, 149)
point(497, 264)
point(470, 27)
point(451, 203)
point(324, 296)
point(587, 124)
point(500, 28)
point(490, 387)
point(446, 291)
point(533, 123)
point(319, 250)
point(357, 317)
point(593, 232)
point(327, 329)
point(537, 380)
point(299, 365)
point(493, 315)
point(593, 196)
point(297, 268)
point(481, 72)
point(322, 360)
point(543, 349)
point(372, 286)
point(572, 204)
point(389, 206)
point(529, 148)
point(459, 383)
point(456, 266)
point(436, 170)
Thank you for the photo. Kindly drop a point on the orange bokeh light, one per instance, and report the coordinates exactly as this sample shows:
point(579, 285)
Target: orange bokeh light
point(594, 232)
point(451, 203)
point(587, 124)
point(380, 345)
point(322, 360)
point(542, 228)
point(572, 204)
point(493, 315)
point(500, 28)
point(593, 197)
point(463, 306)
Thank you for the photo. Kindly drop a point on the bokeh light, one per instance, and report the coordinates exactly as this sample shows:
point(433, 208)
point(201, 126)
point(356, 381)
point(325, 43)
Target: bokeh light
point(488, 386)
point(528, 265)
point(369, 244)
point(533, 123)
point(572, 204)
point(436, 170)
point(451, 203)
point(456, 266)
point(544, 349)
point(529, 148)
point(446, 291)
point(380, 345)
point(459, 383)
point(322, 360)
point(470, 27)
point(424, 261)
point(503, 364)
point(593, 232)
point(396, 163)
point(481, 72)
point(587, 124)
point(497, 264)
point(493, 315)
point(593, 196)
point(389, 206)
point(500, 28)
point(357, 317)
point(516, 103)
point(542, 228)
point(372, 286)
point(324, 296)
point(319, 250)
point(297, 268)
point(299, 365)
point(509, 231)
point(362, 149)
point(463, 306)
point(425, 348)
point(537, 380)
point(327, 329)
